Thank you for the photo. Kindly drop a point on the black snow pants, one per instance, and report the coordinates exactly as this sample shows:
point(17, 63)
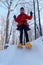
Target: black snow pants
point(25, 28)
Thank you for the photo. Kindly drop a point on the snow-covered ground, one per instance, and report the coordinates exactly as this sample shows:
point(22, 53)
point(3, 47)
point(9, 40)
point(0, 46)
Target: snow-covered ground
point(14, 56)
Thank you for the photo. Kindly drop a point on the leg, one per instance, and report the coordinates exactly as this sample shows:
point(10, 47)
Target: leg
point(28, 44)
point(26, 34)
point(21, 35)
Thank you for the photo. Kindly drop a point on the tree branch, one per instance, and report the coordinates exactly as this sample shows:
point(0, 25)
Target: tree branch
point(4, 4)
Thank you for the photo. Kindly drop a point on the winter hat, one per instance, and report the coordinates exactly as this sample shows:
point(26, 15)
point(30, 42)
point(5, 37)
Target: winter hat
point(22, 8)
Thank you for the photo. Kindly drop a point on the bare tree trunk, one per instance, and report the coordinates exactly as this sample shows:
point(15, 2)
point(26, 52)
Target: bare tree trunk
point(34, 18)
point(39, 18)
point(7, 21)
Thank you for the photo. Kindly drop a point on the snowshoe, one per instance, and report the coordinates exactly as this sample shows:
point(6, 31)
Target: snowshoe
point(19, 46)
point(28, 45)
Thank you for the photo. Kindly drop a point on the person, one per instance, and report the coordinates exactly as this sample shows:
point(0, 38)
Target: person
point(21, 19)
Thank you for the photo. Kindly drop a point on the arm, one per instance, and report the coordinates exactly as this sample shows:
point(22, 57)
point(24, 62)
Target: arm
point(16, 18)
point(29, 17)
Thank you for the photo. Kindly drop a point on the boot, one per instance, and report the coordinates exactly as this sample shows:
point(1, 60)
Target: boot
point(20, 46)
point(28, 45)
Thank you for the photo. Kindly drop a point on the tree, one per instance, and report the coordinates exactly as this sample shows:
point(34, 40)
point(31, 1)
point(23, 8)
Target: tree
point(7, 21)
point(8, 5)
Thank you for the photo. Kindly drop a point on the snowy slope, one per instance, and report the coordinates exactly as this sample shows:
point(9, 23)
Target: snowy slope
point(15, 56)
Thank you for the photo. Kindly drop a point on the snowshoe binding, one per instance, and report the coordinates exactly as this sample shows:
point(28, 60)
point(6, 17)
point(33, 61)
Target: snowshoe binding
point(19, 46)
point(28, 45)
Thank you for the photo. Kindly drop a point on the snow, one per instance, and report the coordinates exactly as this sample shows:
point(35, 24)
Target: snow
point(14, 56)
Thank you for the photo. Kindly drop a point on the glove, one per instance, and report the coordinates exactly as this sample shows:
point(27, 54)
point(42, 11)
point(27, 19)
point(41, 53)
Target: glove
point(14, 16)
point(31, 13)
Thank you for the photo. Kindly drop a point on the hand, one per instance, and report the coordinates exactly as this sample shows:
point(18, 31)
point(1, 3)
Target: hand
point(31, 13)
point(14, 16)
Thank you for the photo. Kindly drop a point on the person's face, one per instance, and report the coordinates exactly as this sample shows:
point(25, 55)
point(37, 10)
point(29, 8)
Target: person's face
point(21, 11)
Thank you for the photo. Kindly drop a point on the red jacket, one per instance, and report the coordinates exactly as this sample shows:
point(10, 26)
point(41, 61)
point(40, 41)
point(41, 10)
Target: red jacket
point(22, 19)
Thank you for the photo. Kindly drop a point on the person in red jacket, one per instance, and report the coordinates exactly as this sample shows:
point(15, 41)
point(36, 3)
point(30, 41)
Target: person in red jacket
point(21, 19)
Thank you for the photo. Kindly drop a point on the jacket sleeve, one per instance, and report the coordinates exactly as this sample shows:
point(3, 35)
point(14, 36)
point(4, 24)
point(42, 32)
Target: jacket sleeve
point(28, 17)
point(17, 19)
